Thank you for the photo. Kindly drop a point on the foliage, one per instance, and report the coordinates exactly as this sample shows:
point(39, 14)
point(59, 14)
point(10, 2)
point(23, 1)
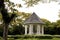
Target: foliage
point(51, 27)
point(20, 17)
point(17, 29)
point(35, 37)
point(10, 6)
point(31, 2)
point(31, 39)
point(59, 13)
point(20, 37)
point(1, 30)
point(35, 2)
point(47, 22)
point(10, 38)
point(6, 18)
point(15, 24)
point(31, 36)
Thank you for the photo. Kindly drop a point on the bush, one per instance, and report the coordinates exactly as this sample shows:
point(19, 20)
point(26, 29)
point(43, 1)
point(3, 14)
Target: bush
point(44, 37)
point(30, 36)
point(10, 38)
point(16, 29)
point(56, 36)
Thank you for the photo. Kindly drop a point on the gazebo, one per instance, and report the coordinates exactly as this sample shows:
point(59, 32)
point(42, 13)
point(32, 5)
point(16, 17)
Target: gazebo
point(34, 25)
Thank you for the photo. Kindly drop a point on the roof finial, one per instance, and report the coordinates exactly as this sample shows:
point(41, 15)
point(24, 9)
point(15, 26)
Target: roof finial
point(33, 12)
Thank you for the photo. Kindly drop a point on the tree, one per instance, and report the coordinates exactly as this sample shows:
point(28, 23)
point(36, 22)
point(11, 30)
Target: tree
point(34, 2)
point(58, 23)
point(1, 30)
point(17, 29)
point(6, 19)
point(20, 17)
point(51, 27)
point(48, 27)
point(31, 2)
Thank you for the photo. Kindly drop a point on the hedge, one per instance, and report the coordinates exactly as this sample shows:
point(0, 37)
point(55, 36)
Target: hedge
point(30, 36)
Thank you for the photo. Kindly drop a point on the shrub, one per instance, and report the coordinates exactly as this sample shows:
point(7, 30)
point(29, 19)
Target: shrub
point(56, 36)
point(30, 36)
point(10, 38)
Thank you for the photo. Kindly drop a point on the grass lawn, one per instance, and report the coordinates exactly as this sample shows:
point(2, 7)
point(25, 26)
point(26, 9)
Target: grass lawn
point(34, 39)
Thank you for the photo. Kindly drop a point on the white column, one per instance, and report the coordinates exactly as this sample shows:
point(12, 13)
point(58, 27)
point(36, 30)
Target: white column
point(31, 29)
point(25, 29)
point(42, 30)
point(38, 29)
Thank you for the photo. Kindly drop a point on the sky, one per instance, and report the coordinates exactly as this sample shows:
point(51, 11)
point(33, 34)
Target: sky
point(47, 11)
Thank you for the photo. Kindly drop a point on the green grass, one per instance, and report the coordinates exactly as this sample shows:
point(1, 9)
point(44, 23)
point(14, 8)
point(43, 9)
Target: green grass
point(56, 39)
point(39, 39)
point(33, 39)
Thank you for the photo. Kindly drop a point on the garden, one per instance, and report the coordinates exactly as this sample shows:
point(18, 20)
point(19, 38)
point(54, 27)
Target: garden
point(11, 23)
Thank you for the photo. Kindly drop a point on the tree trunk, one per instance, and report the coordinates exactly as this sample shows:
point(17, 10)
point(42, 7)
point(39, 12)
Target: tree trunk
point(5, 32)
point(6, 19)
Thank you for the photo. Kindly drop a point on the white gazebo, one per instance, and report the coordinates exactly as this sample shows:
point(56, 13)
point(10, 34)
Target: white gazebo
point(33, 25)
